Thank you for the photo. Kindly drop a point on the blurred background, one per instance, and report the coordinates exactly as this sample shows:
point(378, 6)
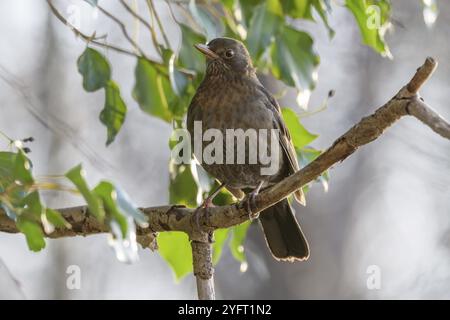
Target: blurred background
point(387, 206)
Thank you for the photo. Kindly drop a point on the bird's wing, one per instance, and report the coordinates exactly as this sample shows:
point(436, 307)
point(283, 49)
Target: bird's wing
point(285, 140)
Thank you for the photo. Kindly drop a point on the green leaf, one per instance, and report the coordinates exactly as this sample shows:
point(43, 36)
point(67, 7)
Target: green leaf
point(248, 8)
point(236, 244)
point(175, 249)
point(33, 233)
point(95, 69)
point(32, 205)
point(212, 27)
point(22, 169)
point(183, 187)
point(56, 219)
point(76, 175)
point(128, 207)
point(306, 156)
point(188, 56)
point(114, 112)
point(300, 136)
point(152, 90)
point(303, 9)
point(372, 17)
point(266, 20)
point(294, 60)
point(220, 237)
point(106, 191)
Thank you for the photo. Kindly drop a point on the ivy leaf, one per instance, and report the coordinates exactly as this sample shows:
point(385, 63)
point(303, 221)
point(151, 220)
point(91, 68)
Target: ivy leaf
point(126, 205)
point(220, 237)
point(95, 69)
point(114, 112)
point(22, 169)
point(76, 175)
point(264, 24)
point(294, 60)
point(175, 249)
point(247, 8)
point(300, 136)
point(56, 219)
point(183, 187)
point(212, 27)
point(32, 205)
point(236, 244)
point(306, 156)
point(303, 9)
point(188, 57)
point(151, 90)
point(372, 17)
point(33, 233)
point(107, 193)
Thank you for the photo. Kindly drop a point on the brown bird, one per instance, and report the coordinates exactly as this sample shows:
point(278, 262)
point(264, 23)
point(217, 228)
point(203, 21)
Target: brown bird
point(231, 97)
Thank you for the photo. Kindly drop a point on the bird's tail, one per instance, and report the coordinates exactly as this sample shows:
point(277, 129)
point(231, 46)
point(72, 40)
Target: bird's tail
point(283, 234)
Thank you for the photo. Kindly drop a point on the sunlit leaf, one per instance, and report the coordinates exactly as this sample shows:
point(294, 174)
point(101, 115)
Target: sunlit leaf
point(188, 56)
point(236, 244)
point(300, 136)
point(212, 27)
point(126, 205)
point(372, 17)
point(32, 205)
point(56, 218)
point(183, 187)
point(95, 70)
point(267, 18)
point(151, 90)
point(114, 112)
point(303, 9)
point(107, 193)
point(175, 249)
point(22, 169)
point(33, 233)
point(294, 60)
point(220, 237)
point(76, 175)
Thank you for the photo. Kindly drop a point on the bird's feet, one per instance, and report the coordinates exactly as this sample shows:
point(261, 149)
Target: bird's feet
point(203, 208)
point(251, 202)
point(250, 205)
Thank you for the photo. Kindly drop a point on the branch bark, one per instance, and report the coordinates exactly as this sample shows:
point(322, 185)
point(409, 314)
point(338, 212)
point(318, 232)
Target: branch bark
point(177, 218)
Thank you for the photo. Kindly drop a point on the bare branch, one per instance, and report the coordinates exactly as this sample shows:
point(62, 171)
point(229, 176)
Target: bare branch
point(124, 31)
point(144, 22)
point(154, 13)
point(88, 39)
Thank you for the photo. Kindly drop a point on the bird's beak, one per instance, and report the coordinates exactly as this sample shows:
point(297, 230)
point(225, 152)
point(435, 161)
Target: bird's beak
point(206, 51)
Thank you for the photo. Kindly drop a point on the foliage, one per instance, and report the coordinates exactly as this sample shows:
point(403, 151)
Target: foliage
point(163, 88)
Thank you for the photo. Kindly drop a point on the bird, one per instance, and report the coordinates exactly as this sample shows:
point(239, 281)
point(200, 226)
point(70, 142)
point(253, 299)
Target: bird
point(231, 96)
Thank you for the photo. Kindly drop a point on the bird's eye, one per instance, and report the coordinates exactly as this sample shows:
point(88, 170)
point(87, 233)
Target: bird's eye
point(229, 54)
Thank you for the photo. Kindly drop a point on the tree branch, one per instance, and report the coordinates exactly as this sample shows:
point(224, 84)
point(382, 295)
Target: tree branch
point(178, 218)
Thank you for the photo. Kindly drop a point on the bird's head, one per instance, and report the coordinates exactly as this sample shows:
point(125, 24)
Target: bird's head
point(226, 56)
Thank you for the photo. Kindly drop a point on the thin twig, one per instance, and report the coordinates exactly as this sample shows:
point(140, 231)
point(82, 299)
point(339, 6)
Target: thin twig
point(124, 31)
point(86, 38)
point(158, 21)
point(145, 23)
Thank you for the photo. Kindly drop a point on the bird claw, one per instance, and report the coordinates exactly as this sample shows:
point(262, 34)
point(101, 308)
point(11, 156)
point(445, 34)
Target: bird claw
point(198, 212)
point(251, 204)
